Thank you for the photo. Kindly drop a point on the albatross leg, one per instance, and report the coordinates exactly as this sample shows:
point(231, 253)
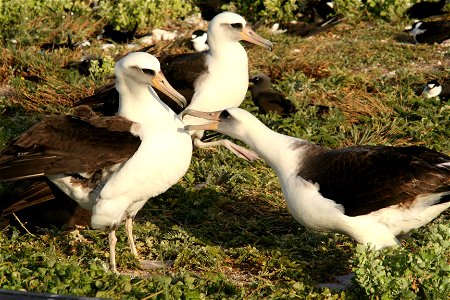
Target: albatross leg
point(236, 149)
point(129, 231)
point(145, 264)
point(112, 250)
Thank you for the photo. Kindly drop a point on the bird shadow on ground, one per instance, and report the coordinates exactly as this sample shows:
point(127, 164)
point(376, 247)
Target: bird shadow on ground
point(217, 218)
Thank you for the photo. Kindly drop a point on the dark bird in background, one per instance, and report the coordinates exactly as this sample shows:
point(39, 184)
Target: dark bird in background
point(434, 89)
point(320, 11)
point(210, 8)
point(199, 40)
point(118, 36)
point(53, 46)
point(320, 17)
point(268, 100)
point(83, 65)
point(307, 29)
point(425, 9)
point(430, 32)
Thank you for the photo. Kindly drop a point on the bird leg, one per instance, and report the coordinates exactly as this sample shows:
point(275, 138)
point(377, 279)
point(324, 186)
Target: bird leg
point(236, 149)
point(145, 264)
point(112, 249)
point(129, 232)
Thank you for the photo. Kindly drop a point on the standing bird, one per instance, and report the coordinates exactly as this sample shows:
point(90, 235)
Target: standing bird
point(213, 80)
point(199, 40)
point(110, 165)
point(268, 100)
point(371, 193)
point(425, 9)
point(430, 32)
point(434, 89)
point(223, 80)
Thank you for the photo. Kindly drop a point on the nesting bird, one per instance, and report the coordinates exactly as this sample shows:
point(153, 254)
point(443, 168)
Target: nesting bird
point(430, 32)
point(434, 89)
point(371, 193)
point(425, 9)
point(118, 36)
point(110, 165)
point(268, 100)
point(199, 40)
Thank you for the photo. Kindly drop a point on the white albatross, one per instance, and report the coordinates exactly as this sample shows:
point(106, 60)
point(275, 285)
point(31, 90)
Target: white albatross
point(110, 165)
point(371, 193)
point(224, 78)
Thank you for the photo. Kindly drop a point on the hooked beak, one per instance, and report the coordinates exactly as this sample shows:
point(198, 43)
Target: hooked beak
point(212, 116)
point(249, 35)
point(160, 82)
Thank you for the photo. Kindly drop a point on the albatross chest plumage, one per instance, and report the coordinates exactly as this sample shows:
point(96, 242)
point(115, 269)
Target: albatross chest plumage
point(226, 82)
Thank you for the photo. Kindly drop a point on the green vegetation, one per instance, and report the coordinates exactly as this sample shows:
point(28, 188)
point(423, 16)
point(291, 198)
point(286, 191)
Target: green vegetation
point(233, 238)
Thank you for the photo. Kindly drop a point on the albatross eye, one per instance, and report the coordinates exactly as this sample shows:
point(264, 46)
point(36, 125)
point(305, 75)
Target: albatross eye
point(149, 72)
point(224, 115)
point(238, 26)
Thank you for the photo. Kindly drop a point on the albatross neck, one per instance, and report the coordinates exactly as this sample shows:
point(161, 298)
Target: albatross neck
point(139, 103)
point(275, 148)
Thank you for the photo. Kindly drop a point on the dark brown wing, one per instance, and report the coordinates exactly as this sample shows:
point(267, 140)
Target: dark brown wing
point(69, 144)
point(368, 178)
point(38, 202)
point(274, 102)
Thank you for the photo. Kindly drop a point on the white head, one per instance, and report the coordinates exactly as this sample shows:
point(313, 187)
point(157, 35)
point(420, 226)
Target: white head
point(416, 29)
point(138, 70)
point(432, 89)
point(235, 122)
point(231, 27)
point(199, 40)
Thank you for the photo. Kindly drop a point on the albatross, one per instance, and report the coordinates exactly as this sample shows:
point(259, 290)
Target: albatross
point(224, 80)
point(110, 165)
point(212, 80)
point(371, 193)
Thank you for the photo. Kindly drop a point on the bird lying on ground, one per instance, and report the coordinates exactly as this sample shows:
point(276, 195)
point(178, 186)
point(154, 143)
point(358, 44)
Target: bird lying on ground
point(430, 32)
point(199, 40)
point(434, 89)
point(371, 193)
point(268, 100)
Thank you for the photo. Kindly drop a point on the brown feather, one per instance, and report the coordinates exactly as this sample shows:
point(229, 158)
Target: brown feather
point(69, 144)
point(360, 177)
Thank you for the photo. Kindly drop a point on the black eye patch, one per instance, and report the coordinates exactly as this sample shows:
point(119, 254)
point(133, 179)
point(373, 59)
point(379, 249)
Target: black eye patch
point(149, 72)
point(237, 26)
point(224, 115)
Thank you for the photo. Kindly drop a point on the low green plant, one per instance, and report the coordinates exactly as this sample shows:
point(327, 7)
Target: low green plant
point(104, 70)
point(125, 13)
point(422, 272)
point(389, 10)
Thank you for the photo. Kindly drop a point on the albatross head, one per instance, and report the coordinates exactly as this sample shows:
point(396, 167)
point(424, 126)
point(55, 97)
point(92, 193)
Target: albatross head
point(233, 27)
point(432, 89)
point(234, 122)
point(143, 69)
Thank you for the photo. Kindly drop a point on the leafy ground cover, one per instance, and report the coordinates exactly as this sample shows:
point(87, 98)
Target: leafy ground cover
point(225, 224)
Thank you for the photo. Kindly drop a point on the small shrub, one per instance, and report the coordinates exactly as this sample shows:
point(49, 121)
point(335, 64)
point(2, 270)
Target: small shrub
point(404, 274)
